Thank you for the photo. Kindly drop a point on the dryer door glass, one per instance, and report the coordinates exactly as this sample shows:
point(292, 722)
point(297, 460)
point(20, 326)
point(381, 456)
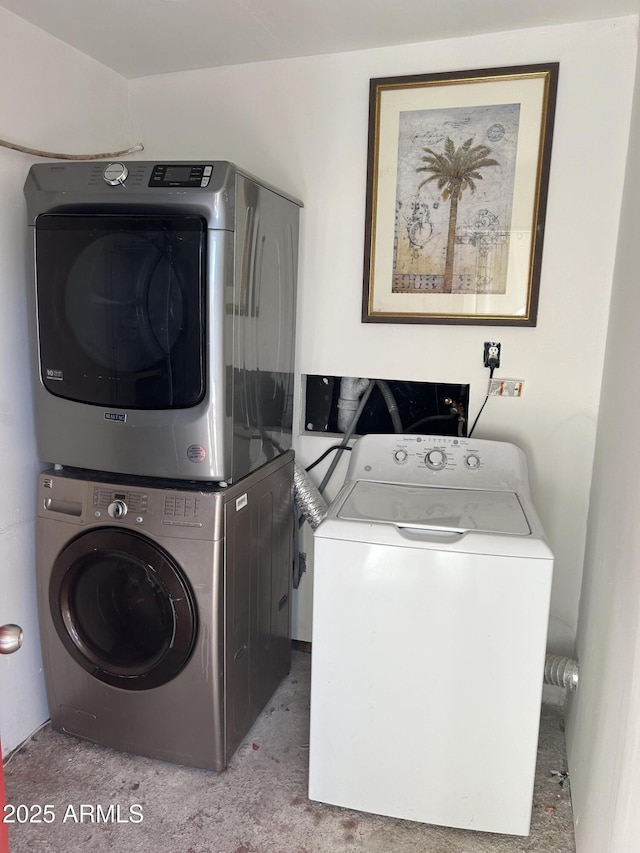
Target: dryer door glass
point(122, 608)
point(120, 303)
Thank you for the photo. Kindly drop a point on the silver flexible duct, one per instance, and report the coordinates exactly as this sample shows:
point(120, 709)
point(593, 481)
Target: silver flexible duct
point(561, 672)
point(310, 502)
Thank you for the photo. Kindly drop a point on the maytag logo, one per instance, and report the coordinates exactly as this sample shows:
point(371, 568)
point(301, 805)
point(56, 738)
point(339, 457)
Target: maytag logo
point(115, 416)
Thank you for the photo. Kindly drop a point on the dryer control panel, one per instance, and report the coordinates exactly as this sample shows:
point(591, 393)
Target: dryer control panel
point(180, 175)
point(439, 460)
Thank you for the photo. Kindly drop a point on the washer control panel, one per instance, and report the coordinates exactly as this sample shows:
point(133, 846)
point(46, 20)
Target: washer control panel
point(173, 507)
point(166, 511)
point(117, 502)
point(438, 460)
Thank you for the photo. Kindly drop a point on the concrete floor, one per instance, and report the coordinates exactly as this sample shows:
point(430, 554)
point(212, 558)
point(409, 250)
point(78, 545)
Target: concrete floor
point(258, 805)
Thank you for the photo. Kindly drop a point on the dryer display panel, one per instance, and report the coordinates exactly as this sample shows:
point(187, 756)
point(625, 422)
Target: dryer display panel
point(121, 309)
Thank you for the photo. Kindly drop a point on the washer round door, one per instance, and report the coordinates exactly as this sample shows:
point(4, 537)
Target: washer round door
point(123, 608)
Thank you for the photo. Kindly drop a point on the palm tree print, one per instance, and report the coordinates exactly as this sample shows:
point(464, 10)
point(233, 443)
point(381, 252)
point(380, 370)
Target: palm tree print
point(454, 171)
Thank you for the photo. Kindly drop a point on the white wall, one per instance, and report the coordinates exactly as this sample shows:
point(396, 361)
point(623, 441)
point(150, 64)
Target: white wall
point(302, 125)
point(603, 723)
point(52, 98)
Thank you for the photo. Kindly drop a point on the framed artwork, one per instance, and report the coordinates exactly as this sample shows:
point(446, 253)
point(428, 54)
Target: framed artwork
point(457, 178)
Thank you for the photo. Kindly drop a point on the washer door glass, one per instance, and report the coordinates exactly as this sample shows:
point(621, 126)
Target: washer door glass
point(123, 608)
point(121, 308)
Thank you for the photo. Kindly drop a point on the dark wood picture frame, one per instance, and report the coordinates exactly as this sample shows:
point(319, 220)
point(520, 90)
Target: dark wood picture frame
point(457, 184)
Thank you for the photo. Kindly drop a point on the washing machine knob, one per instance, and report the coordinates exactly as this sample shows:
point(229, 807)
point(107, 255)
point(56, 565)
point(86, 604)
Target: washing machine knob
point(117, 509)
point(115, 173)
point(436, 459)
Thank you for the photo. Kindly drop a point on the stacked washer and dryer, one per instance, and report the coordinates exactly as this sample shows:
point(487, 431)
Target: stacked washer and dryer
point(163, 338)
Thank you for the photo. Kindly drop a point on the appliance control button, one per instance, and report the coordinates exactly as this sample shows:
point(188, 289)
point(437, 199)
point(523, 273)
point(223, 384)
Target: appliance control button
point(400, 456)
point(115, 174)
point(472, 461)
point(117, 509)
point(436, 459)
point(204, 182)
point(207, 171)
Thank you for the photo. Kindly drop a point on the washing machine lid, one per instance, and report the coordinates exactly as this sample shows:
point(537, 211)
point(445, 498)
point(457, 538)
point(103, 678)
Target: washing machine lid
point(435, 508)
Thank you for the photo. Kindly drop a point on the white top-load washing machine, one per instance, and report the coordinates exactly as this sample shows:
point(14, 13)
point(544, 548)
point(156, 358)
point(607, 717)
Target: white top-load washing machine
point(432, 579)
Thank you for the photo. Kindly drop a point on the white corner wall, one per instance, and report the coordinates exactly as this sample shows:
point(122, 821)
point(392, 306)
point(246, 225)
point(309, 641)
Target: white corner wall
point(52, 98)
point(302, 125)
point(603, 720)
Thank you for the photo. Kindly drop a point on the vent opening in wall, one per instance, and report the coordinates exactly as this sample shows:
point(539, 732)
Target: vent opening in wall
point(431, 408)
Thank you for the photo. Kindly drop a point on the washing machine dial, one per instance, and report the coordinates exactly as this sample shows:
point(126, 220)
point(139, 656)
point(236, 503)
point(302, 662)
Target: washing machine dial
point(400, 456)
point(472, 461)
point(115, 174)
point(117, 509)
point(436, 460)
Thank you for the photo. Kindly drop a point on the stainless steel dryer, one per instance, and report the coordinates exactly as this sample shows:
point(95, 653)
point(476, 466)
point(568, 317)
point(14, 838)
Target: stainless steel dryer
point(164, 317)
point(164, 611)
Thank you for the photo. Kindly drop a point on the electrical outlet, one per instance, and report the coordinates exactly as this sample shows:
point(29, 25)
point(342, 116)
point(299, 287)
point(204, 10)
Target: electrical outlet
point(492, 354)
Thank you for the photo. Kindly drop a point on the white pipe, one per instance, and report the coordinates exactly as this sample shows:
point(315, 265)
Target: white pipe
point(351, 389)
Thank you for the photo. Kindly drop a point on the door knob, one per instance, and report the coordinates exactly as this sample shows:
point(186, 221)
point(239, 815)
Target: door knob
point(10, 639)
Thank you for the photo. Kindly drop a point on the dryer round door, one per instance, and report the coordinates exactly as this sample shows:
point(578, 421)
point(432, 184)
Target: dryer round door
point(121, 308)
point(123, 608)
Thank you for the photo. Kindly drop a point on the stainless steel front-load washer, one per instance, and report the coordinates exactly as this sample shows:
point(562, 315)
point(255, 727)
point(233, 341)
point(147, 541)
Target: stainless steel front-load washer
point(164, 610)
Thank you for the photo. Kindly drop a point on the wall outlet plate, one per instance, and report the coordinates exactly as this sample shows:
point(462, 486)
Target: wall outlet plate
point(491, 352)
point(505, 387)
